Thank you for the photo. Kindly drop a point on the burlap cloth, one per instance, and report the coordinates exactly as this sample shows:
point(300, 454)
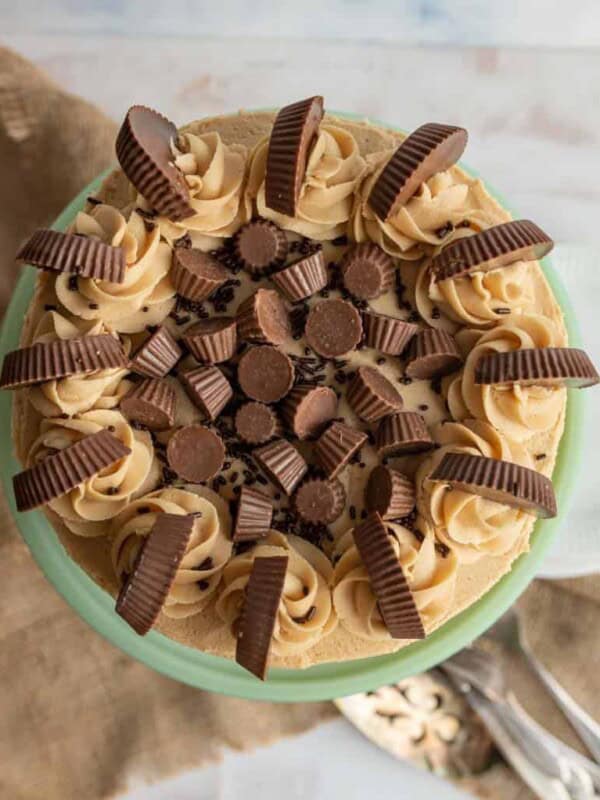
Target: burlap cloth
point(77, 717)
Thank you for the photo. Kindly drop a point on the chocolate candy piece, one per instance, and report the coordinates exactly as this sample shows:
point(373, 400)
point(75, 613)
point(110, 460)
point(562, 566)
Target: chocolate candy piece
point(390, 493)
point(333, 328)
point(260, 245)
point(157, 356)
point(367, 271)
point(320, 502)
point(293, 132)
point(144, 152)
point(372, 395)
point(430, 149)
point(49, 361)
point(265, 374)
point(394, 597)
point(256, 423)
point(387, 334)
point(212, 340)
point(304, 278)
point(336, 446)
point(60, 473)
point(405, 432)
point(282, 463)
point(151, 403)
point(432, 353)
point(259, 613)
point(501, 481)
point(519, 240)
point(146, 588)
point(195, 274)
point(208, 389)
point(195, 453)
point(543, 366)
point(254, 514)
point(307, 409)
point(263, 317)
point(80, 255)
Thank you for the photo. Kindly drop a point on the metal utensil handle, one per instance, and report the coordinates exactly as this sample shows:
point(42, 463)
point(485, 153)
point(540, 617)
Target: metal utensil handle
point(587, 728)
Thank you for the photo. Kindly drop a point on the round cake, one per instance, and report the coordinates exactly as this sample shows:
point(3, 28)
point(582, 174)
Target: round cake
point(291, 387)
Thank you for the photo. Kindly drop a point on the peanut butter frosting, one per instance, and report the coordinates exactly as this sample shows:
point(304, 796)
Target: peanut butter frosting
point(452, 549)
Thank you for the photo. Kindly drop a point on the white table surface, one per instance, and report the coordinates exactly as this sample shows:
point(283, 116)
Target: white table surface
point(533, 114)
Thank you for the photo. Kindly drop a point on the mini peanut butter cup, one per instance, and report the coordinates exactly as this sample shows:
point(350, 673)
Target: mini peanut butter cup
point(500, 246)
point(265, 374)
point(320, 502)
point(208, 389)
point(432, 353)
point(390, 493)
point(48, 361)
point(404, 432)
point(501, 481)
point(195, 453)
point(304, 278)
point(195, 274)
point(394, 597)
point(263, 317)
point(542, 366)
point(260, 245)
point(256, 423)
point(70, 252)
point(157, 356)
point(144, 152)
point(212, 340)
point(58, 474)
point(307, 409)
point(254, 514)
point(387, 334)
point(372, 395)
point(367, 271)
point(336, 446)
point(430, 149)
point(333, 328)
point(151, 403)
point(259, 613)
point(282, 463)
point(145, 590)
point(293, 133)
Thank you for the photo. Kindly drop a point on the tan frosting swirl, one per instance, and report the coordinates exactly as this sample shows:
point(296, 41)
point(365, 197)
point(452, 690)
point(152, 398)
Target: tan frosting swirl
point(145, 297)
point(471, 525)
point(448, 197)
point(333, 172)
point(214, 173)
point(517, 411)
point(88, 509)
point(306, 587)
point(77, 393)
point(207, 553)
point(430, 576)
point(473, 300)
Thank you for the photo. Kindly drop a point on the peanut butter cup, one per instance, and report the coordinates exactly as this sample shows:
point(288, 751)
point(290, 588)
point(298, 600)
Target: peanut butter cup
point(541, 366)
point(157, 356)
point(320, 502)
point(254, 513)
point(390, 493)
point(333, 328)
point(260, 245)
point(432, 353)
point(404, 432)
point(387, 335)
point(372, 395)
point(307, 409)
point(303, 278)
point(367, 271)
point(195, 274)
point(151, 403)
point(256, 423)
point(195, 453)
point(263, 317)
point(336, 446)
point(212, 340)
point(282, 463)
point(265, 374)
point(208, 389)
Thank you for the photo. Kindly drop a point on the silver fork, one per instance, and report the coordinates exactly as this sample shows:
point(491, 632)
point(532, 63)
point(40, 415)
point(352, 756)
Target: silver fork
point(508, 632)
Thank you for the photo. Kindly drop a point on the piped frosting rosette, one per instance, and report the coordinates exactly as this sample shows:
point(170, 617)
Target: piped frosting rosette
point(431, 217)
point(333, 172)
point(76, 393)
point(430, 574)
point(471, 525)
point(215, 174)
point(207, 553)
point(145, 297)
point(519, 412)
point(88, 509)
point(306, 612)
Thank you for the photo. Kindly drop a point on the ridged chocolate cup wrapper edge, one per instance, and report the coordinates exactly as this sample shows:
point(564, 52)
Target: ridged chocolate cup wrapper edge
point(254, 515)
point(145, 590)
point(208, 389)
point(283, 464)
point(303, 278)
point(542, 366)
point(387, 335)
point(157, 356)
